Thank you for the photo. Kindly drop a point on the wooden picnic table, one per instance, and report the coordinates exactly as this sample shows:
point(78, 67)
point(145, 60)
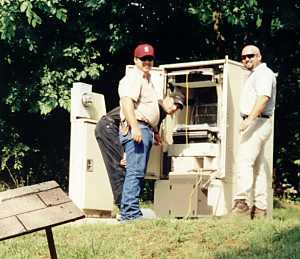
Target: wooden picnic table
point(37, 207)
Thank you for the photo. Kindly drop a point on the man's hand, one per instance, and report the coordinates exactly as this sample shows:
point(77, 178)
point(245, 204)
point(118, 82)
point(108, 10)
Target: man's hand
point(259, 107)
point(136, 134)
point(157, 139)
point(245, 124)
point(123, 162)
point(128, 108)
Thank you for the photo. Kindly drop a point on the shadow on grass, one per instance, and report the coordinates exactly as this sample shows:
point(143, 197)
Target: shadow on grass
point(279, 244)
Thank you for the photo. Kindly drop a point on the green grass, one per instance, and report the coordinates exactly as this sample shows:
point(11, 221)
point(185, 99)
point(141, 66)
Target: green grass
point(169, 238)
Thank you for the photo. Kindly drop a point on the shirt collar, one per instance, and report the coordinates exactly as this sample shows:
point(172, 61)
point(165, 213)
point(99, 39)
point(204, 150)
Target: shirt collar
point(260, 66)
point(141, 74)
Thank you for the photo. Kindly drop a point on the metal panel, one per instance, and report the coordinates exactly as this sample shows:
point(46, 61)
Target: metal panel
point(162, 198)
point(77, 108)
point(188, 200)
point(188, 66)
point(93, 109)
point(154, 163)
point(98, 193)
point(233, 79)
point(89, 186)
point(194, 149)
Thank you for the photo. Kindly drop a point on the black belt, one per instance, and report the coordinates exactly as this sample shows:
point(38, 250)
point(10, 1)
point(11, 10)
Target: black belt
point(244, 116)
point(146, 124)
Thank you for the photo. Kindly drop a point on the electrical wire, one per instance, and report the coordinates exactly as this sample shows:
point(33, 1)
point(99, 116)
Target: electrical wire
point(187, 107)
point(191, 196)
point(205, 185)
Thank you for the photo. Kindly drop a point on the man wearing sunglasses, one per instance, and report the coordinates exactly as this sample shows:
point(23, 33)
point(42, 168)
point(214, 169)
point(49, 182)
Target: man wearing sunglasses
point(257, 103)
point(139, 119)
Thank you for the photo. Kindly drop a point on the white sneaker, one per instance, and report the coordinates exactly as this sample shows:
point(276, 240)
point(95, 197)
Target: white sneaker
point(118, 217)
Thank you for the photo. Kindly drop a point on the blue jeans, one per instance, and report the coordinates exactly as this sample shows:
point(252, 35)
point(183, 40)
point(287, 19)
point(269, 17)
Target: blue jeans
point(137, 155)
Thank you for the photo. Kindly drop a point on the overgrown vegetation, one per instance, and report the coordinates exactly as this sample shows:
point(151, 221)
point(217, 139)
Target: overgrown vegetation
point(167, 238)
point(46, 45)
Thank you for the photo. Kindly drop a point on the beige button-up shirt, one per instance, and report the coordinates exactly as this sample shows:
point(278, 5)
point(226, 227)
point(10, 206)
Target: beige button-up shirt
point(142, 92)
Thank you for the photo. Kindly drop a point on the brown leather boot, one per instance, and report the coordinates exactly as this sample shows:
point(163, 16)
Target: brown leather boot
point(240, 208)
point(257, 213)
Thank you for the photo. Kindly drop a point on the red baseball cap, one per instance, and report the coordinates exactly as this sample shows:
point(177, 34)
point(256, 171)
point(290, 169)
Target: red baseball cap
point(143, 50)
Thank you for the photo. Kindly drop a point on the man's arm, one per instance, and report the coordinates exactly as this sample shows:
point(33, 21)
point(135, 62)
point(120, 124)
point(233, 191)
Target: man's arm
point(162, 116)
point(259, 107)
point(128, 110)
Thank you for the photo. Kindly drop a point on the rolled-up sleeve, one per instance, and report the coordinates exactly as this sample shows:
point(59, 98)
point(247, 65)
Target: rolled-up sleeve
point(130, 86)
point(263, 84)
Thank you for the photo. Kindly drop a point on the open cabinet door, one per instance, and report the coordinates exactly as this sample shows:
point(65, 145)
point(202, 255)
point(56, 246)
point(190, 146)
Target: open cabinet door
point(155, 160)
point(234, 76)
point(221, 189)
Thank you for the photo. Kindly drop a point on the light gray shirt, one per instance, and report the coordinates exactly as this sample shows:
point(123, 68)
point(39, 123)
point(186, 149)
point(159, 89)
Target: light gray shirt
point(261, 81)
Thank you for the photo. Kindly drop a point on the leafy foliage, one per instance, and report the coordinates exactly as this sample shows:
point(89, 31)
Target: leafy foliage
point(13, 153)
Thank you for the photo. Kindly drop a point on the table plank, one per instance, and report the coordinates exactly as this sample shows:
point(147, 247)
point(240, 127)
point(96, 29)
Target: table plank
point(21, 191)
point(19, 205)
point(50, 216)
point(10, 227)
point(54, 197)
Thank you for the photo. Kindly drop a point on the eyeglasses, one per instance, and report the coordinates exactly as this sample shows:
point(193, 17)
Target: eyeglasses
point(147, 58)
point(249, 56)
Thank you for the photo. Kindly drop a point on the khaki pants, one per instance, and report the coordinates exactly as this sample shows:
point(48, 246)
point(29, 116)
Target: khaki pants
point(251, 154)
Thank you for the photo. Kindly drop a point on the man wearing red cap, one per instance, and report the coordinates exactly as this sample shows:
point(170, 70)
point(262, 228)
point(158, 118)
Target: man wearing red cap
point(107, 135)
point(139, 117)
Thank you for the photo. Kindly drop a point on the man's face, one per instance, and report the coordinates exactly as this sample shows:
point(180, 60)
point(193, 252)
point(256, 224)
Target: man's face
point(251, 58)
point(169, 106)
point(145, 64)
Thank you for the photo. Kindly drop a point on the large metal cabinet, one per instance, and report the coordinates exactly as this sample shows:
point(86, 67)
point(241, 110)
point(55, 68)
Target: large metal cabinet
point(202, 140)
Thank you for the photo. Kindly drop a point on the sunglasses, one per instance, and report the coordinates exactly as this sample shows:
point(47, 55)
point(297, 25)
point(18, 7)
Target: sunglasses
point(248, 56)
point(146, 58)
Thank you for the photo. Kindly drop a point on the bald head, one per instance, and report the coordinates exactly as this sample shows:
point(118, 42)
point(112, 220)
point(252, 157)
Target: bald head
point(251, 57)
point(251, 48)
